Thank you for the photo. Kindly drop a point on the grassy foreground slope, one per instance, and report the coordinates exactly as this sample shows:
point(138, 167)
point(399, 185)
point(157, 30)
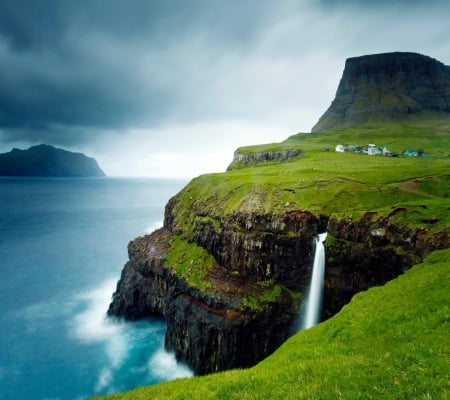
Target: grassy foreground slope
point(390, 342)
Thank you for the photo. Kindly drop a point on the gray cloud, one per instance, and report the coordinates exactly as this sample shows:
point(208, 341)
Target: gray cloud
point(110, 63)
point(88, 72)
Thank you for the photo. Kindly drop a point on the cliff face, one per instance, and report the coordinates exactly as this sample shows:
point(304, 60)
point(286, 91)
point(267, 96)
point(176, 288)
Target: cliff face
point(218, 328)
point(245, 160)
point(229, 269)
point(45, 160)
point(371, 251)
point(390, 86)
point(210, 330)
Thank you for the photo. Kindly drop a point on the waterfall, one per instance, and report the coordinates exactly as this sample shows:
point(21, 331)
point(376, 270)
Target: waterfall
point(314, 299)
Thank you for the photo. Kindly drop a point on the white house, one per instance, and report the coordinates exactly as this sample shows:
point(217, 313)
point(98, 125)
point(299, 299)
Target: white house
point(372, 150)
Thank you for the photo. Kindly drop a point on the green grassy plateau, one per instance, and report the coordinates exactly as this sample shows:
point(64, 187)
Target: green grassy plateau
point(390, 342)
point(326, 182)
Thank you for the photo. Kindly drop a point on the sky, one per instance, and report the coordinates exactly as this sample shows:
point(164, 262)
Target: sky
point(171, 88)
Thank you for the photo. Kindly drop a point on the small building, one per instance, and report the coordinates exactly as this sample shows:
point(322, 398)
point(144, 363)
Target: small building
point(340, 148)
point(410, 153)
point(373, 150)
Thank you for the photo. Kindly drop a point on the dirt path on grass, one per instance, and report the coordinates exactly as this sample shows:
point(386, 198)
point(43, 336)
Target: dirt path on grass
point(412, 187)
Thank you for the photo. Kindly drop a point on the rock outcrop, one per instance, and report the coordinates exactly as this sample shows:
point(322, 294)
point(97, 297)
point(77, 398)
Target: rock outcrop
point(44, 160)
point(264, 259)
point(370, 251)
point(249, 159)
point(388, 87)
point(261, 265)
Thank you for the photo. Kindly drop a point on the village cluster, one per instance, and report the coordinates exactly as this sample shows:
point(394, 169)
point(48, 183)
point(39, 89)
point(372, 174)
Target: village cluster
point(373, 150)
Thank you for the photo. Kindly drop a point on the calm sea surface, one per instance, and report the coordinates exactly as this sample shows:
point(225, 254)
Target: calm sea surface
point(63, 243)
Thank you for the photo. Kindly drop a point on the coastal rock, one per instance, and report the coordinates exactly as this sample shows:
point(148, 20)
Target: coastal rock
point(218, 328)
point(212, 330)
point(388, 87)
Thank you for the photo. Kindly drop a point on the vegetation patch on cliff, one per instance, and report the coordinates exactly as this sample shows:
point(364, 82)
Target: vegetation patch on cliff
point(390, 342)
point(190, 261)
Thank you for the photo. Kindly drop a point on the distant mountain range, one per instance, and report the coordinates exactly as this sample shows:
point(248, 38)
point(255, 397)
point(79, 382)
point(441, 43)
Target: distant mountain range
point(394, 87)
point(45, 160)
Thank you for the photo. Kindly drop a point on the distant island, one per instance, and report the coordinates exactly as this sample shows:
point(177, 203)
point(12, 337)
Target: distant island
point(45, 160)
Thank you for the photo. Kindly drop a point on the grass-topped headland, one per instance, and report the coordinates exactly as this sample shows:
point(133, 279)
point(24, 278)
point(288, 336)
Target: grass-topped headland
point(327, 182)
point(390, 342)
point(412, 192)
point(385, 209)
point(239, 243)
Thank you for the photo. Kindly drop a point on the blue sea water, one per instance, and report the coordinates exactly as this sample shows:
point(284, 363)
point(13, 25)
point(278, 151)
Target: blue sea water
point(63, 243)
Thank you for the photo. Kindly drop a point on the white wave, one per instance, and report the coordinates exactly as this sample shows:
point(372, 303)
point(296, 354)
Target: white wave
point(117, 349)
point(164, 366)
point(91, 325)
point(153, 226)
point(104, 379)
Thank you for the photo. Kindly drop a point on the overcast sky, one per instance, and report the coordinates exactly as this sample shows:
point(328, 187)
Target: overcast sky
point(173, 87)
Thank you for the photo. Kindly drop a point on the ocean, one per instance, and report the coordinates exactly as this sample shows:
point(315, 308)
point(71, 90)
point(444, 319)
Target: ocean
point(63, 243)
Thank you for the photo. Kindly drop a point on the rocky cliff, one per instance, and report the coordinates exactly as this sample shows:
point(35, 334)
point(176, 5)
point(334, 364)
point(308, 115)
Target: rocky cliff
point(388, 87)
point(229, 268)
point(256, 284)
point(45, 160)
point(249, 159)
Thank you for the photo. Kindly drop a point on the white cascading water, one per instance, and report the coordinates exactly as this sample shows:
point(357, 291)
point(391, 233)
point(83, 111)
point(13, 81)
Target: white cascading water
point(314, 300)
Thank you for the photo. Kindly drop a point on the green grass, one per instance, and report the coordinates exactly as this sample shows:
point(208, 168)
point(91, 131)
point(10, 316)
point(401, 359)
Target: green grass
point(325, 181)
point(390, 342)
point(190, 261)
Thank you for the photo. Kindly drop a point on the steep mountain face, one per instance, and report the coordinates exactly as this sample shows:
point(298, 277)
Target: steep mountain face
point(45, 160)
point(388, 87)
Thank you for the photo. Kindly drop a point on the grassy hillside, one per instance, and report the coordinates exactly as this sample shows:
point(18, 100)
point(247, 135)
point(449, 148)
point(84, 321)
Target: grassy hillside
point(391, 342)
point(329, 183)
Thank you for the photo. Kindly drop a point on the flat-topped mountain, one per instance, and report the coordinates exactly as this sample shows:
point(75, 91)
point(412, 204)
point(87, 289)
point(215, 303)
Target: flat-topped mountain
point(45, 160)
point(388, 87)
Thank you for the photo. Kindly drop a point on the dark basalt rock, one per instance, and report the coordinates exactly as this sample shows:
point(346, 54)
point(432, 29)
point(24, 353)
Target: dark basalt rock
point(388, 87)
point(212, 330)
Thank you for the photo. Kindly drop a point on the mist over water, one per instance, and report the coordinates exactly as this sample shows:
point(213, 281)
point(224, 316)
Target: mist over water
point(62, 247)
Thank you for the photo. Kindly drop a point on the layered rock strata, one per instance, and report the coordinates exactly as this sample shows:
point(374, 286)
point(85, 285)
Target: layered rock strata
point(388, 87)
point(249, 159)
point(219, 328)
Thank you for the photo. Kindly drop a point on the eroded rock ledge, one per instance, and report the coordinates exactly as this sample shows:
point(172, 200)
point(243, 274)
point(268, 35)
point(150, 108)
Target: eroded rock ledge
point(248, 159)
point(261, 268)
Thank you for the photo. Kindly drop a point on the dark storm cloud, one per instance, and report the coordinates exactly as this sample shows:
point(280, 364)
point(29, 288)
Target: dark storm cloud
point(74, 70)
point(106, 64)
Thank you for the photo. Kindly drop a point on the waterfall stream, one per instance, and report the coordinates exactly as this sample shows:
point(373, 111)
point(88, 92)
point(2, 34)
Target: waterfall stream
point(314, 299)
